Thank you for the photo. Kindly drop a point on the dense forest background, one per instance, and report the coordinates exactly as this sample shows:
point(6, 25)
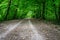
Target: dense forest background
point(37, 9)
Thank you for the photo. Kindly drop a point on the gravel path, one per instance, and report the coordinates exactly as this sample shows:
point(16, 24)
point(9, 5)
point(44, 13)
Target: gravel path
point(28, 30)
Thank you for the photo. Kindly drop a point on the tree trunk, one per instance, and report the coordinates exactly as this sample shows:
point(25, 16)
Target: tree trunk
point(59, 13)
point(9, 3)
point(43, 11)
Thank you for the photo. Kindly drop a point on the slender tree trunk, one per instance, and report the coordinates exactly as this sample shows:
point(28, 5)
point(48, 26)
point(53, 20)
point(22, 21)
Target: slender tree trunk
point(9, 3)
point(59, 12)
point(56, 11)
point(43, 12)
point(15, 12)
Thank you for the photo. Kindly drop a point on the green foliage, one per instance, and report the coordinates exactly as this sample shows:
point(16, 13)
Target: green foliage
point(50, 13)
point(21, 9)
point(12, 9)
point(50, 16)
point(3, 9)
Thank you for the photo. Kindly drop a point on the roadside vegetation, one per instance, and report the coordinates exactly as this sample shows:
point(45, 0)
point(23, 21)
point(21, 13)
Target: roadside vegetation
point(37, 9)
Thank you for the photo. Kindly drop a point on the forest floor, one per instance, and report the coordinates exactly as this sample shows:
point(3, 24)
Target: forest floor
point(29, 30)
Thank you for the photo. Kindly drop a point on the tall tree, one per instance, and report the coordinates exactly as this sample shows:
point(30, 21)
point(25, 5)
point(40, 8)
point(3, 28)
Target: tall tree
point(16, 8)
point(55, 8)
point(59, 12)
point(43, 5)
point(9, 4)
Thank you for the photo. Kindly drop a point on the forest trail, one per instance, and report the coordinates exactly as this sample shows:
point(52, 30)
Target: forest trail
point(28, 30)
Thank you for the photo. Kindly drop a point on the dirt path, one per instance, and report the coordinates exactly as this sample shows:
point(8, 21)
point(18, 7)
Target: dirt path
point(28, 30)
point(47, 29)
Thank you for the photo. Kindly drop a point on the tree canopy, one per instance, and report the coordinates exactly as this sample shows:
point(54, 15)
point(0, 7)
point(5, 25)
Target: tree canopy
point(38, 9)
